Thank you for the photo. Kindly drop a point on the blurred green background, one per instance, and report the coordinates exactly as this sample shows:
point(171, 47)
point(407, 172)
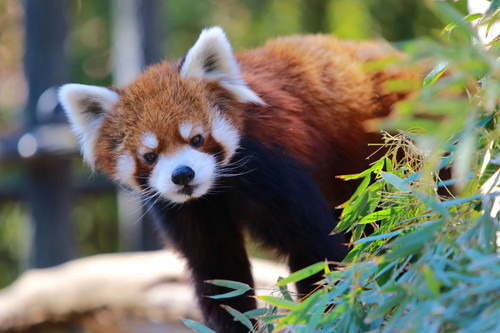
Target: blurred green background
point(89, 60)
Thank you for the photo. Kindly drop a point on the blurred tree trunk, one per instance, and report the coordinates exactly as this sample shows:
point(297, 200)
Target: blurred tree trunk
point(150, 20)
point(137, 42)
point(315, 16)
point(48, 177)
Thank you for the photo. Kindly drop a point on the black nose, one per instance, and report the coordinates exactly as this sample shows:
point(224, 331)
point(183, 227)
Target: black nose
point(182, 175)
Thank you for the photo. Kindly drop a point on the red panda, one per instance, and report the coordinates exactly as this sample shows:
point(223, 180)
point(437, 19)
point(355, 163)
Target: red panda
point(218, 143)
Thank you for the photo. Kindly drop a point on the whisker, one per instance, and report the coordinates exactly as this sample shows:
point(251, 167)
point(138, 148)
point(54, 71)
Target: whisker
point(149, 208)
point(226, 175)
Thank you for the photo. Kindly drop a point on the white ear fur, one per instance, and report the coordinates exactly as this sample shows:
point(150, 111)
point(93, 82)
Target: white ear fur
point(86, 108)
point(211, 58)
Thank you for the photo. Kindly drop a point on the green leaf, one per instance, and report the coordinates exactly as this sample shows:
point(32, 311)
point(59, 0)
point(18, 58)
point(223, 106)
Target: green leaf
point(240, 316)
point(303, 273)
point(379, 165)
point(377, 237)
point(256, 313)
point(395, 181)
point(472, 17)
point(377, 216)
point(302, 314)
point(319, 311)
point(353, 176)
point(279, 302)
point(284, 291)
point(230, 284)
point(195, 326)
point(448, 106)
point(386, 306)
point(495, 4)
point(351, 211)
point(384, 271)
point(240, 288)
point(388, 164)
point(230, 294)
point(435, 73)
point(432, 282)
point(339, 287)
point(379, 64)
point(376, 166)
point(449, 27)
point(362, 186)
point(433, 203)
point(358, 231)
point(460, 201)
point(392, 287)
point(272, 318)
point(450, 14)
point(413, 242)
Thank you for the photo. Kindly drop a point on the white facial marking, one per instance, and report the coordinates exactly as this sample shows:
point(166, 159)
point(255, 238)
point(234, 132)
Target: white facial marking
point(125, 168)
point(201, 163)
point(227, 135)
point(185, 130)
point(149, 140)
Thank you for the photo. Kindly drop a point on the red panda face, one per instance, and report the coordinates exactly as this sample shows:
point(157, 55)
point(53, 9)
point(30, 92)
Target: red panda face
point(174, 138)
point(167, 133)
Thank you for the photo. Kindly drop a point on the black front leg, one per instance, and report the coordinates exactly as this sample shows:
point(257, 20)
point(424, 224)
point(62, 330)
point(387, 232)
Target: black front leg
point(283, 207)
point(214, 249)
point(227, 261)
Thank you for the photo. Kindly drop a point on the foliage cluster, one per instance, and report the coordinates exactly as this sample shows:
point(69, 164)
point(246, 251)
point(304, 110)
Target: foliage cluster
point(431, 262)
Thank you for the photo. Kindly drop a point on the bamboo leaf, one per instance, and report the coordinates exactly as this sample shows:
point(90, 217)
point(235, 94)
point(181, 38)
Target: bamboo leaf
point(413, 242)
point(240, 288)
point(432, 282)
point(196, 327)
point(386, 306)
point(395, 181)
point(472, 17)
point(240, 316)
point(495, 4)
point(362, 186)
point(301, 314)
point(435, 73)
point(377, 216)
point(256, 313)
point(303, 273)
point(433, 203)
point(230, 294)
point(450, 14)
point(460, 201)
point(230, 284)
point(284, 291)
point(279, 302)
point(377, 237)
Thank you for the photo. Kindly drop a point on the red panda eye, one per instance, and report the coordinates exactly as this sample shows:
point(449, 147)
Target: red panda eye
point(150, 158)
point(196, 141)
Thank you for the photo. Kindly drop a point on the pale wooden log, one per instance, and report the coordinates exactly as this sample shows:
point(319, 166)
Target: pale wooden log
point(127, 292)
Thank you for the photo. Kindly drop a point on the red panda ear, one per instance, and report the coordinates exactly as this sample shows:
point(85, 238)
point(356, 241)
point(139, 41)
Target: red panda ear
point(211, 58)
point(86, 108)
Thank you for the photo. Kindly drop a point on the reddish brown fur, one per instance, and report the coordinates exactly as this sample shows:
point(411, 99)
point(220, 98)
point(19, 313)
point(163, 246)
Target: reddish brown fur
point(317, 96)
